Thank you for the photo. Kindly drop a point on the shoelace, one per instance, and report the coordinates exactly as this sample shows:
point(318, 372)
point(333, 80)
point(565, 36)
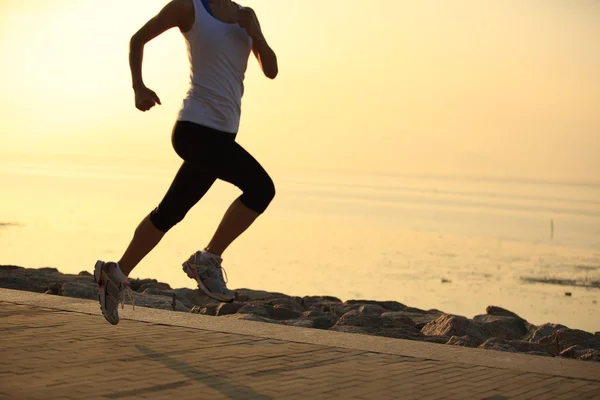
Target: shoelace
point(219, 271)
point(126, 290)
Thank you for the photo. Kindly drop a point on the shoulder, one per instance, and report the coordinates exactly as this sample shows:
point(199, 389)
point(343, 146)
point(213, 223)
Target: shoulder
point(184, 9)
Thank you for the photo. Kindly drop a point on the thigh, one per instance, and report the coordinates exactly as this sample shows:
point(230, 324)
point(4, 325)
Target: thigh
point(190, 184)
point(240, 168)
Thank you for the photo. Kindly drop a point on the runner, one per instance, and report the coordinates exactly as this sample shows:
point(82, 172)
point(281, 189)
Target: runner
point(220, 36)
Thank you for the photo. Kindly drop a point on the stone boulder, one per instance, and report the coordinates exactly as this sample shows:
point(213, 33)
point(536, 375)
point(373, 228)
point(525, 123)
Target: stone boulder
point(355, 318)
point(581, 353)
point(248, 295)
point(463, 341)
point(517, 346)
point(420, 317)
point(386, 305)
point(261, 310)
point(391, 320)
point(452, 325)
point(319, 301)
point(280, 312)
point(504, 327)
point(286, 302)
point(154, 285)
point(325, 321)
point(228, 308)
point(564, 338)
point(80, 290)
point(538, 332)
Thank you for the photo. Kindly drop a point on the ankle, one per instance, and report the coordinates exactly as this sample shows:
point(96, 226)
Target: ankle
point(119, 273)
point(211, 252)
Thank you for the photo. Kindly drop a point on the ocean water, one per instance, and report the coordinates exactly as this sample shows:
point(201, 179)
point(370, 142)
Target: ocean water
point(454, 244)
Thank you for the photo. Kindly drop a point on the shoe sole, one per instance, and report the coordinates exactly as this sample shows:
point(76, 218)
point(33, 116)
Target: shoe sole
point(99, 279)
point(192, 275)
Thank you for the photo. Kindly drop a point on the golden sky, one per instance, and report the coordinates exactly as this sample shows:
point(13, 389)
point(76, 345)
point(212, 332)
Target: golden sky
point(487, 88)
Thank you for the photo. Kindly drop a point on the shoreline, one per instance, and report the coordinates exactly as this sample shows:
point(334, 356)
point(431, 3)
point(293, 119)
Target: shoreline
point(496, 329)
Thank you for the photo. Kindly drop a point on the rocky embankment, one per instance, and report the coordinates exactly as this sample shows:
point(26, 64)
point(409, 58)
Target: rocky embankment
point(497, 329)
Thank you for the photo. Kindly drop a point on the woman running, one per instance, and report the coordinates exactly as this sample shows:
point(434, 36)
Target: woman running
point(220, 35)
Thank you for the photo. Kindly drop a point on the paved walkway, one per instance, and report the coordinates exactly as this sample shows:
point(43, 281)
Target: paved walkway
point(50, 353)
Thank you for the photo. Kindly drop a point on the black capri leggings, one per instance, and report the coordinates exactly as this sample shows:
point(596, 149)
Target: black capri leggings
point(208, 155)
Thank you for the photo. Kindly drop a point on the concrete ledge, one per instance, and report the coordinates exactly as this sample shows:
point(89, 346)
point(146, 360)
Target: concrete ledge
point(488, 358)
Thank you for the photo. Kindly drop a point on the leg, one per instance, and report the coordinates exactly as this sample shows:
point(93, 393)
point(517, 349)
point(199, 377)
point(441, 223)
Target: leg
point(188, 187)
point(145, 238)
point(236, 220)
point(242, 170)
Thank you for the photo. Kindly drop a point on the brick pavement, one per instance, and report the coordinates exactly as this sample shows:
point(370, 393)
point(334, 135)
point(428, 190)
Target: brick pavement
point(53, 354)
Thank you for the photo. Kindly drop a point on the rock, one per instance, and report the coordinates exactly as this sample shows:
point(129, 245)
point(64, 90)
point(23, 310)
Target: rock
point(355, 318)
point(581, 353)
point(324, 322)
point(463, 341)
point(193, 297)
point(279, 312)
point(289, 303)
point(515, 346)
point(414, 310)
point(85, 273)
point(47, 269)
point(255, 309)
point(81, 290)
point(18, 282)
point(591, 355)
point(309, 301)
point(371, 309)
point(136, 284)
point(10, 268)
point(451, 325)
point(313, 313)
point(228, 308)
point(154, 285)
point(390, 320)
point(387, 305)
point(503, 327)
point(57, 289)
point(210, 309)
point(157, 292)
point(541, 331)
point(196, 310)
point(420, 318)
point(500, 312)
point(564, 338)
point(246, 295)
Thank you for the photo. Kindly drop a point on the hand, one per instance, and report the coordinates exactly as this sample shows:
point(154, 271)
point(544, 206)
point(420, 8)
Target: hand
point(246, 18)
point(145, 99)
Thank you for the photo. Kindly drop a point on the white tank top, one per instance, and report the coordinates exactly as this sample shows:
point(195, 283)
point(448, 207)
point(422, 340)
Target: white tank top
point(218, 54)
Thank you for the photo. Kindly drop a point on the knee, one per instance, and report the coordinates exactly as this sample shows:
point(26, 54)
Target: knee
point(269, 190)
point(260, 196)
point(164, 220)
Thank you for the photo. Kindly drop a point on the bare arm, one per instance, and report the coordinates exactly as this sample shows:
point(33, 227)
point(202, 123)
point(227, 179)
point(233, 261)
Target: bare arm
point(266, 57)
point(177, 13)
point(262, 51)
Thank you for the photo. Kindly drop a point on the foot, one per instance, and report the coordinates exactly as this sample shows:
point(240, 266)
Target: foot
point(207, 271)
point(111, 290)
